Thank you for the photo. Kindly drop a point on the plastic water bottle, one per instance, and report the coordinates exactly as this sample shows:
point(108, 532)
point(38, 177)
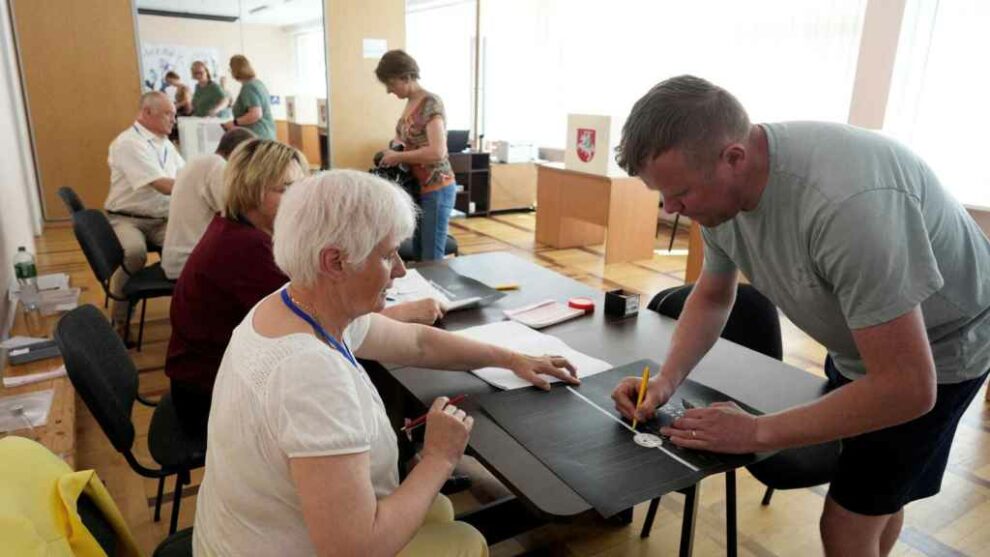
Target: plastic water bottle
point(27, 277)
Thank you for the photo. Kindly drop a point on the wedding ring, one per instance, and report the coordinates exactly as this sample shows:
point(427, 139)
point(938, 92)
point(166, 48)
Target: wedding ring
point(694, 433)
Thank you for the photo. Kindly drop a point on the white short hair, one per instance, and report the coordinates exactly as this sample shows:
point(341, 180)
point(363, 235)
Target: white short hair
point(350, 210)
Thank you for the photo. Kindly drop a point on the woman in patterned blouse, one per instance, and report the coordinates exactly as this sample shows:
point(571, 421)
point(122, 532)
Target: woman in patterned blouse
point(422, 132)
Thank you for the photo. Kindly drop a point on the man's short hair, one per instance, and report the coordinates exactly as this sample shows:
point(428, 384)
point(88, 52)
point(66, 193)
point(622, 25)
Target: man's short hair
point(171, 75)
point(152, 99)
point(232, 139)
point(684, 112)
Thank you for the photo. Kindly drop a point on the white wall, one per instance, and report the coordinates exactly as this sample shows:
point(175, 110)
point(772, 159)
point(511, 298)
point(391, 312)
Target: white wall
point(269, 48)
point(20, 214)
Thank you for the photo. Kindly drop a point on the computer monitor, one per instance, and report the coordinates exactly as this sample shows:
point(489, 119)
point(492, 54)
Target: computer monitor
point(457, 140)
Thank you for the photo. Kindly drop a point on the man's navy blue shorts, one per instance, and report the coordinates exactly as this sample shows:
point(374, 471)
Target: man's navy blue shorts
point(880, 472)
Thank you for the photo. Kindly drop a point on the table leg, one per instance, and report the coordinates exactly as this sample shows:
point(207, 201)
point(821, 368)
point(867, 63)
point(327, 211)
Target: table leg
point(687, 524)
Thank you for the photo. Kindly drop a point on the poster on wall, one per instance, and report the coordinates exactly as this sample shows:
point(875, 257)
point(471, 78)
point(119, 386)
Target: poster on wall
point(159, 59)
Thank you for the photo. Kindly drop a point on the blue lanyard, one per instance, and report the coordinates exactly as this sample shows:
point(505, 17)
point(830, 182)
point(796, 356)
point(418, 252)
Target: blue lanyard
point(161, 160)
point(339, 346)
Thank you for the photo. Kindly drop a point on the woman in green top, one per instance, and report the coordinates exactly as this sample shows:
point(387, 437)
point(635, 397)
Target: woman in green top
point(251, 109)
point(209, 98)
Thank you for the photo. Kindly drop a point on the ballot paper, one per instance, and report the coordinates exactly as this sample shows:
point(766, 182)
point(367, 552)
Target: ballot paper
point(53, 281)
point(26, 411)
point(415, 286)
point(519, 337)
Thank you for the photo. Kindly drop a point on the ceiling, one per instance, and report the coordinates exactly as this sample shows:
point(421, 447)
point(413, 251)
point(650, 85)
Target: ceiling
point(264, 12)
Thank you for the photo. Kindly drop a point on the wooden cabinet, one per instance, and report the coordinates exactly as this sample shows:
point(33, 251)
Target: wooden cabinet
point(306, 138)
point(513, 186)
point(473, 174)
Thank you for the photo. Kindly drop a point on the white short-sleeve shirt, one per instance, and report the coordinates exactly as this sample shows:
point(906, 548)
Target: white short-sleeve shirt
point(138, 157)
point(276, 399)
point(196, 196)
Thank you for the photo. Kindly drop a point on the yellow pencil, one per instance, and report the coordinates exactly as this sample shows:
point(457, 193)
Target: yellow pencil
point(642, 391)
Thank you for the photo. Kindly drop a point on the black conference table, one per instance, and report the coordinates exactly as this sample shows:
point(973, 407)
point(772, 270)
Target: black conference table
point(763, 383)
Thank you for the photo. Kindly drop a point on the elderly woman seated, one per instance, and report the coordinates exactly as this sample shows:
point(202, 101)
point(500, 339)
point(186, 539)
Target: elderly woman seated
point(231, 269)
point(301, 457)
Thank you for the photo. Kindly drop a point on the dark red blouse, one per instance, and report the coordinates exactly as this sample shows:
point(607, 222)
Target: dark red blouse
point(229, 271)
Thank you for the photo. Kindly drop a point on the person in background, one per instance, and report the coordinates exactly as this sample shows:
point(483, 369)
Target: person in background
point(252, 109)
point(301, 458)
point(422, 132)
point(183, 96)
point(231, 269)
point(209, 98)
point(143, 166)
point(197, 196)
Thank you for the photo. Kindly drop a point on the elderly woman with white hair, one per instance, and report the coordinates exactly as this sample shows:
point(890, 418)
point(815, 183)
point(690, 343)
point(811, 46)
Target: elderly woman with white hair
point(302, 459)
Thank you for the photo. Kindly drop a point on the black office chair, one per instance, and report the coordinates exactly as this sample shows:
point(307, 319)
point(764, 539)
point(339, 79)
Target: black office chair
point(407, 253)
point(104, 253)
point(754, 323)
point(72, 202)
point(178, 544)
point(107, 381)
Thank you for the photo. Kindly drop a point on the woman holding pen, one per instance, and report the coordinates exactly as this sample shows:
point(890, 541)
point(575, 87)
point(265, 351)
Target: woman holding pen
point(301, 457)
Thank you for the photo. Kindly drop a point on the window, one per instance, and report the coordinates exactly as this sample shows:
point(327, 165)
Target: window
point(440, 36)
point(311, 64)
point(543, 59)
point(937, 101)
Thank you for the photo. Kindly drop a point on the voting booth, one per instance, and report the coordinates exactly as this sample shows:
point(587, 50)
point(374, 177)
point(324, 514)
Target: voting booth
point(198, 136)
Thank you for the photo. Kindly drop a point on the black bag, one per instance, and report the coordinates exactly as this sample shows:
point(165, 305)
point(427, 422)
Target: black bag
point(399, 174)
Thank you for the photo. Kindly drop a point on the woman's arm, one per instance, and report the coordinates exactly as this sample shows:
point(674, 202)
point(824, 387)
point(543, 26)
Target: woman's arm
point(252, 115)
point(339, 505)
point(422, 346)
point(433, 152)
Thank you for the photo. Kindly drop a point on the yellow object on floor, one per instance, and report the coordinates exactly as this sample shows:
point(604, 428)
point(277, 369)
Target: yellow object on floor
point(38, 497)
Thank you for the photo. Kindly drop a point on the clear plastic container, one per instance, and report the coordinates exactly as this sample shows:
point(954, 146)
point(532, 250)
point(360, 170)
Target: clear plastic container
point(27, 278)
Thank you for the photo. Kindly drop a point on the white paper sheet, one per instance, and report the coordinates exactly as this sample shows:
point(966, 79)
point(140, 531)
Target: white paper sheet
point(17, 411)
point(17, 381)
point(53, 281)
point(18, 341)
point(519, 337)
point(414, 287)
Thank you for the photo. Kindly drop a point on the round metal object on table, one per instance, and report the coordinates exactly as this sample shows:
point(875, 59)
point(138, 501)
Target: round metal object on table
point(647, 440)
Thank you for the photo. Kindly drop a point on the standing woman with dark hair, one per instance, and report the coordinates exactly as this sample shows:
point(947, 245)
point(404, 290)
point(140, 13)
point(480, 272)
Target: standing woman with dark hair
point(422, 132)
point(209, 98)
point(252, 109)
point(183, 97)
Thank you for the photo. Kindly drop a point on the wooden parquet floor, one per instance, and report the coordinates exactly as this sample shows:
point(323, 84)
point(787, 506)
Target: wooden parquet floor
point(956, 522)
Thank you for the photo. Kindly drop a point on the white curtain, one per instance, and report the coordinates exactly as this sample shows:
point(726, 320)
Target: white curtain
point(311, 63)
point(440, 36)
point(938, 99)
point(543, 59)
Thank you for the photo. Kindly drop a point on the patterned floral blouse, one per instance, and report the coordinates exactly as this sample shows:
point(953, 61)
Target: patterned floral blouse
point(411, 130)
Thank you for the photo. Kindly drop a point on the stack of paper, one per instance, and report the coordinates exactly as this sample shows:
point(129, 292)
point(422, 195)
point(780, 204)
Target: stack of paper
point(519, 337)
point(414, 287)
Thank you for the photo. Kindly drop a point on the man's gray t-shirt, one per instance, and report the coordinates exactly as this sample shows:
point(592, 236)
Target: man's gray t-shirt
point(853, 230)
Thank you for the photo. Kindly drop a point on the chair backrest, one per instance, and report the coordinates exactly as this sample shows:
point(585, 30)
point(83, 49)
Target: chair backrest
point(71, 200)
point(100, 370)
point(99, 243)
point(753, 322)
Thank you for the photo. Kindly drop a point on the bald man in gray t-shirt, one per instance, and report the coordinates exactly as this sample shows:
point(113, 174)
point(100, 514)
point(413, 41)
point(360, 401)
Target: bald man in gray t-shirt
point(853, 237)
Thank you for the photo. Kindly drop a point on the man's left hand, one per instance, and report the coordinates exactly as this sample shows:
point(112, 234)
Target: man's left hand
point(722, 427)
